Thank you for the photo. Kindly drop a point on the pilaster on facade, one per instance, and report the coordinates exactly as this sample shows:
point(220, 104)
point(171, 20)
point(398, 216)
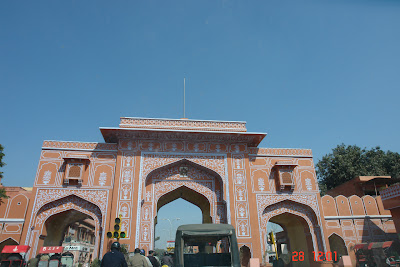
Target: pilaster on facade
point(144, 162)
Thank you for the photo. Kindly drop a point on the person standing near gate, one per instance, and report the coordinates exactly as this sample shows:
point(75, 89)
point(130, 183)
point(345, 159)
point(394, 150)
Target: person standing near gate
point(139, 260)
point(167, 260)
point(114, 258)
point(153, 259)
point(34, 261)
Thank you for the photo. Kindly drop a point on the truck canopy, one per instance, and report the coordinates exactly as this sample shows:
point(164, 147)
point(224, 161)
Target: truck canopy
point(209, 234)
point(205, 229)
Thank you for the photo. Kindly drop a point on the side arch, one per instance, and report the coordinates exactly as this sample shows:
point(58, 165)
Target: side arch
point(44, 196)
point(244, 255)
point(69, 203)
point(337, 244)
point(96, 197)
point(297, 209)
point(7, 241)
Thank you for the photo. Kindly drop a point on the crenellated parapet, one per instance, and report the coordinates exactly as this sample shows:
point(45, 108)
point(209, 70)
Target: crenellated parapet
point(285, 152)
point(357, 219)
point(71, 145)
point(183, 124)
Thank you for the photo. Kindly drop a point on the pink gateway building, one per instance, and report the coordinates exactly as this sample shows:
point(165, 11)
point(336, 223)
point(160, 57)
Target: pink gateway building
point(217, 165)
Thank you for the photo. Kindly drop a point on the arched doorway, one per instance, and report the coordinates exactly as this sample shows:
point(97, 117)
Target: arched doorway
point(245, 255)
point(337, 244)
point(294, 237)
point(53, 219)
point(300, 231)
point(190, 196)
point(183, 179)
point(170, 216)
point(73, 230)
point(56, 226)
point(8, 242)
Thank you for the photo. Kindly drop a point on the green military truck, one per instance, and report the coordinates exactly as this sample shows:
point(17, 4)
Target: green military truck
point(206, 245)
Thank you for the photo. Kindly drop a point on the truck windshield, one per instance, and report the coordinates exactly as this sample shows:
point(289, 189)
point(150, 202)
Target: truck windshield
point(200, 251)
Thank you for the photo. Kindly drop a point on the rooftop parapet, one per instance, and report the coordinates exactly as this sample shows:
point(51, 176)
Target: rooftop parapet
point(391, 192)
point(183, 124)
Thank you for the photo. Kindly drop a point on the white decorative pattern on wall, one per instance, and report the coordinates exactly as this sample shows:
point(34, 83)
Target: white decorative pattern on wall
point(241, 195)
point(126, 184)
point(46, 177)
point(164, 175)
point(267, 211)
point(50, 202)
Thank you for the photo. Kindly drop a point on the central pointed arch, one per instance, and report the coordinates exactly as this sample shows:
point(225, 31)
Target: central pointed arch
point(191, 196)
point(164, 173)
point(184, 179)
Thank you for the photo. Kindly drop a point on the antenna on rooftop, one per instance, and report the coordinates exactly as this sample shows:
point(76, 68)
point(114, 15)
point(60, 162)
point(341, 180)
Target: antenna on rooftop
point(184, 97)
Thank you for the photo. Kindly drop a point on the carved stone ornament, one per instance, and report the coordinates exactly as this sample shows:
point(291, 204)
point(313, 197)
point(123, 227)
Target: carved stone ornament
point(183, 171)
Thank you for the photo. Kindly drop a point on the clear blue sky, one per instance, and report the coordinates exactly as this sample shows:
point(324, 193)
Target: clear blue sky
point(178, 212)
point(312, 74)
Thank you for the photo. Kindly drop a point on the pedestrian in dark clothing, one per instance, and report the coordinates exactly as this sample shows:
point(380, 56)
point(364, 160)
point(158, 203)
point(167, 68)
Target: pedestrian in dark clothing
point(167, 260)
point(34, 261)
point(153, 259)
point(114, 258)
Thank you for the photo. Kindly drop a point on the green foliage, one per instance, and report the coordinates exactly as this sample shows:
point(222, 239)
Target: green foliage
point(348, 162)
point(95, 263)
point(2, 190)
point(2, 194)
point(1, 160)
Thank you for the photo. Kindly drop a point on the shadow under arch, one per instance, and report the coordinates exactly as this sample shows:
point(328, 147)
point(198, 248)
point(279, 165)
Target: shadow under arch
point(70, 205)
point(196, 184)
point(55, 226)
point(298, 236)
point(73, 193)
point(7, 242)
point(337, 244)
point(200, 186)
point(301, 225)
point(189, 195)
point(244, 255)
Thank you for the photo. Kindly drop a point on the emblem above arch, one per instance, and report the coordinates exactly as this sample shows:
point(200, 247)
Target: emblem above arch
point(165, 177)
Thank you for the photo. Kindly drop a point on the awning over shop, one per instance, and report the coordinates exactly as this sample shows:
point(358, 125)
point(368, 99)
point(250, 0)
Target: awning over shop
point(15, 249)
point(387, 244)
point(361, 246)
point(380, 244)
point(57, 249)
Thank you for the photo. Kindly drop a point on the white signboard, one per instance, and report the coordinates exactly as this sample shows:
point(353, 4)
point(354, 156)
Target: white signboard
point(72, 248)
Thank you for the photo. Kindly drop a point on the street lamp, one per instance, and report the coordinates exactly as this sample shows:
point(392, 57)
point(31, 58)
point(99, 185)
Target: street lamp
point(170, 223)
point(166, 241)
